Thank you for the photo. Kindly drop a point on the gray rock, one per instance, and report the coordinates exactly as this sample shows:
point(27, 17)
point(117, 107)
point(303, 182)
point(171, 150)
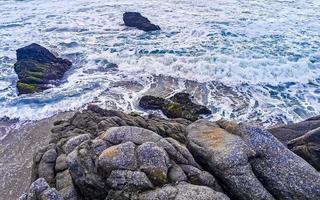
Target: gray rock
point(199, 177)
point(176, 174)
point(63, 180)
point(288, 132)
point(177, 152)
point(50, 194)
point(284, 174)
point(183, 191)
point(226, 156)
point(117, 135)
point(47, 165)
point(61, 163)
point(154, 162)
point(39, 185)
point(120, 156)
point(83, 170)
point(99, 146)
point(72, 143)
point(130, 180)
point(69, 193)
point(308, 147)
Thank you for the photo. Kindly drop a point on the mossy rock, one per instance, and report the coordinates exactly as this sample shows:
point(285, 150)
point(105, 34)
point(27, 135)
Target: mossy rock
point(25, 88)
point(37, 68)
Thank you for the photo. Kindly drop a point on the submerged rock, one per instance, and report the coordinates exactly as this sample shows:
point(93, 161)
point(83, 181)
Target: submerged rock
point(135, 19)
point(178, 106)
point(37, 68)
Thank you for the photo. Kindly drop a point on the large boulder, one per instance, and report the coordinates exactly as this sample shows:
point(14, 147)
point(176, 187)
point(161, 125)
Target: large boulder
point(288, 132)
point(135, 19)
point(227, 157)
point(38, 69)
point(283, 173)
point(183, 191)
point(308, 147)
point(178, 106)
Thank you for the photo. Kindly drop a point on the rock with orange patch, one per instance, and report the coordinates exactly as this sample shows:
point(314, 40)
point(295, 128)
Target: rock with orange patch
point(154, 161)
point(226, 156)
point(120, 156)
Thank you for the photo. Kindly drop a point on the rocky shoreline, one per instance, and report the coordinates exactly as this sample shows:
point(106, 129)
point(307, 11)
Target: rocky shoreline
point(105, 154)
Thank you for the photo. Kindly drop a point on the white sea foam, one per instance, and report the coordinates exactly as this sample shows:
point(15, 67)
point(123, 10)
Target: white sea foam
point(251, 48)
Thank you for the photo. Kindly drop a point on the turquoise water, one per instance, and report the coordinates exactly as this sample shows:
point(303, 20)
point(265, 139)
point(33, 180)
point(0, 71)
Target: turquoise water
point(247, 60)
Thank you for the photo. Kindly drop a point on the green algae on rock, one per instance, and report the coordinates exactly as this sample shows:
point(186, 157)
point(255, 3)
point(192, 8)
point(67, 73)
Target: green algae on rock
point(38, 68)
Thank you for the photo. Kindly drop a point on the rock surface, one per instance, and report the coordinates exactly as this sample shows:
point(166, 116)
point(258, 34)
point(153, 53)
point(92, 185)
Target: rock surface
point(37, 69)
point(102, 154)
point(284, 174)
point(135, 19)
point(178, 106)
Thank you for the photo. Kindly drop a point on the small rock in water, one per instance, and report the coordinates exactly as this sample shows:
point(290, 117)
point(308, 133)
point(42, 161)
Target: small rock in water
point(178, 106)
point(37, 68)
point(135, 19)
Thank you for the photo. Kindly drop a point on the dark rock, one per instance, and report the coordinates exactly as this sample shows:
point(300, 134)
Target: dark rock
point(135, 19)
point(308, 147)
point(226, 156)
point(51, 194)
point(38, 68)
point(284, 174)
point(286, 133)
point(178, 106)
point(151, 102)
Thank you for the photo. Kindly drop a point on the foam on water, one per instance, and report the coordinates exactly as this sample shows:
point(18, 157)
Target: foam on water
point(251, 60)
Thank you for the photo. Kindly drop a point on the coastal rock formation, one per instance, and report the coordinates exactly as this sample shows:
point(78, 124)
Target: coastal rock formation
point(303, 138)
point(135, 19)
point(281, 171)
point(103, 154)
point(37, 69)
point(178, 106)
point(308, 147)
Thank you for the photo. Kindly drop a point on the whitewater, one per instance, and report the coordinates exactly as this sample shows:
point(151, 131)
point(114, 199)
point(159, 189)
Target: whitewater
point(253, 60)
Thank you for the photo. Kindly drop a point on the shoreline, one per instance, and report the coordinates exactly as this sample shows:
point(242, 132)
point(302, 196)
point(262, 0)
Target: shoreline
point(16, 151)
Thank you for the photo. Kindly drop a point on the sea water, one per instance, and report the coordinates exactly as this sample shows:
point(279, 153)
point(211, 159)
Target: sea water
point(256, 60)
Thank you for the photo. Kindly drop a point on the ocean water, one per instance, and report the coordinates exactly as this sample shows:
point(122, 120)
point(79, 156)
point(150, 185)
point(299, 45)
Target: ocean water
point(256, 61)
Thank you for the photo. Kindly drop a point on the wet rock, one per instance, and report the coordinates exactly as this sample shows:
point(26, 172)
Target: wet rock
point(308, 147)
point(178, 106)
point(38, 68)
point(135, 19)
point(227, 157)
point(284, 174)
point(151, 102)
point(183, 191)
